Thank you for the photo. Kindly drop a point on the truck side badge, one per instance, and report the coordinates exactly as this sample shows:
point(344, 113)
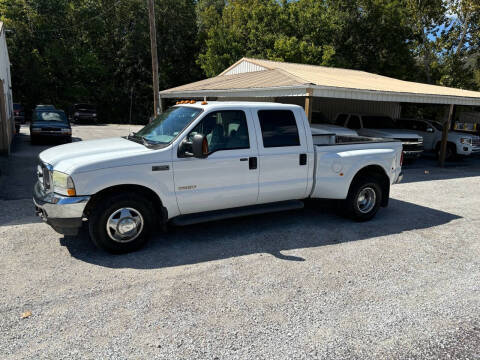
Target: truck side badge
point(188, 187)
point(160, 168)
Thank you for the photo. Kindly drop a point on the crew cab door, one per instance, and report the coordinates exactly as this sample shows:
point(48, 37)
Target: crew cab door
point(228, 177)
point(282, 160)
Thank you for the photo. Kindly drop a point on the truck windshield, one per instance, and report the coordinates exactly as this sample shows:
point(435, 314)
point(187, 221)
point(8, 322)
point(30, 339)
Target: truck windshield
point(168, 125)
point(437, 125)
point(378, 122)
point(58, 116)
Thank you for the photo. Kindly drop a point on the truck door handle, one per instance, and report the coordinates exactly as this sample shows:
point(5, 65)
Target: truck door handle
point(244, 159)
point(303, 159)
point(252, 163)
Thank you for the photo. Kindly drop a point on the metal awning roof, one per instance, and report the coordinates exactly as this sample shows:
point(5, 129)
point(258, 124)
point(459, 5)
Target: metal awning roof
point(264, 78)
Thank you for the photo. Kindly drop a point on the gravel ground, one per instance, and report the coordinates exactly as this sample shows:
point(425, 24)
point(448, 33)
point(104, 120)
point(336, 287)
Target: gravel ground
point(296, 285)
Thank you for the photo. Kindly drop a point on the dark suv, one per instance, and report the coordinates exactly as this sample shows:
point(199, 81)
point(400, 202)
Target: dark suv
point(84, 113)
point(50, 124)
point(19, 116)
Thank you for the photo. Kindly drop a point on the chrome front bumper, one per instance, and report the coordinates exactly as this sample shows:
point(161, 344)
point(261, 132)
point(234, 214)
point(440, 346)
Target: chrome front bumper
point(64, 214)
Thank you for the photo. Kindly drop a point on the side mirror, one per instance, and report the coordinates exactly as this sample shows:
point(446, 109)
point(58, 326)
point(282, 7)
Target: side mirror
point(200, 146)
point(430, 130)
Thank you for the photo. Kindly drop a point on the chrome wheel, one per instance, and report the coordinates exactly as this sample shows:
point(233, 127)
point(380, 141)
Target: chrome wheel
point(366, 200)
point(124, 225)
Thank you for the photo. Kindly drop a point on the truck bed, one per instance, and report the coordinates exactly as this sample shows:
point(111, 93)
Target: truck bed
point(339, 158)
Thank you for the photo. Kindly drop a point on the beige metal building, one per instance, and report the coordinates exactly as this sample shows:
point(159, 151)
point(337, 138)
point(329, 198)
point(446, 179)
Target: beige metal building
point(322, 91)
point(7, 124)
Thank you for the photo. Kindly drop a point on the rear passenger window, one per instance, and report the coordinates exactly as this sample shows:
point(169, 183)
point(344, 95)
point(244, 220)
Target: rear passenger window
point(279, 128)
point(341, 119)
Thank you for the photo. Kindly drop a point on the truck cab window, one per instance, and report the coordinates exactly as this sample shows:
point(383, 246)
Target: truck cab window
point(279, 128)
point(224, 130)
point(341, 118)
point(354, 122)
point(421, 126)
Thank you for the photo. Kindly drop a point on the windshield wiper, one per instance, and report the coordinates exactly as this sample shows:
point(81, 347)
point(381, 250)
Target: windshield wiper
point(139, 139)
point(134, 137)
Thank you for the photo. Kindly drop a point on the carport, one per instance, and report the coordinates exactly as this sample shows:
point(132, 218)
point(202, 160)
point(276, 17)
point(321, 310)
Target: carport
point(322, 90)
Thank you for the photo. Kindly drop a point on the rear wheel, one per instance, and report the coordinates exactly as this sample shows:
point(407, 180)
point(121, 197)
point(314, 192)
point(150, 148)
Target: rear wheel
point(121, 223)
point(364, 198)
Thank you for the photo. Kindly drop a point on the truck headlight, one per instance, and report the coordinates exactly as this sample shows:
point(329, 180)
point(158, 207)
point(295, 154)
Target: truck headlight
point(63, 184)
point(466, 141)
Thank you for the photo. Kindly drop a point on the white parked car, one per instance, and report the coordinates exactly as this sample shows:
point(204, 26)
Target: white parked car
point(199, 162)
point(457, 143)
point(384, 127)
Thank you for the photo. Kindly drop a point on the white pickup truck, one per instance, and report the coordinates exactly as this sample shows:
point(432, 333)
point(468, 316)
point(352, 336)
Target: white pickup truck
point(458, 143)
point(382, 126)
point(200, 162)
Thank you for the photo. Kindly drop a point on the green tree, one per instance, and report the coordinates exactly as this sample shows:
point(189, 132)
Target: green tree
point(459, 45)
point(425, 19)
point(98, 51)
point(372, 35)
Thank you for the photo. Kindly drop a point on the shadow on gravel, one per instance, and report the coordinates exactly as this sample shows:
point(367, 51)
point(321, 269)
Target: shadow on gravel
point(316, 225)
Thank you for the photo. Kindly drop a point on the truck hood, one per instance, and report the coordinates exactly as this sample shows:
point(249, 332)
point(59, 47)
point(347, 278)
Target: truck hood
point(54, 124)
point(91, 155)
point(416, 133)
point(456, 136)
point(389, 133)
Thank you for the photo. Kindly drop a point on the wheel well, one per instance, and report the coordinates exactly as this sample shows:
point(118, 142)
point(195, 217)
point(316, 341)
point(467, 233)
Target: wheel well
point(449, 143)
point(140, 190)
point(379, 173)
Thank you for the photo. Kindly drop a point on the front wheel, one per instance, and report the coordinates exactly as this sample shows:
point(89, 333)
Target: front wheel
point(451, 152)
point(364, 199)
point(121, 223)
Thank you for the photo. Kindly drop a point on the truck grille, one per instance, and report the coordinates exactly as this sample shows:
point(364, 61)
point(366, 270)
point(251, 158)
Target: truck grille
point(412, 147)
point(43, 174)
point(412, 144)
point(419, 140)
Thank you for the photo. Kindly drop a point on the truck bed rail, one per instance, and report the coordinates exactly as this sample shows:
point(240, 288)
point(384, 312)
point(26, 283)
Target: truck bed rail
point(330, 139)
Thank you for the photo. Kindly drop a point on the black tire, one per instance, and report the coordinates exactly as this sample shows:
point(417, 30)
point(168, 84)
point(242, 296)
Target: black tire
point(67, 140)
point(451, 152)
point(352, 207)
point(97, 222)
